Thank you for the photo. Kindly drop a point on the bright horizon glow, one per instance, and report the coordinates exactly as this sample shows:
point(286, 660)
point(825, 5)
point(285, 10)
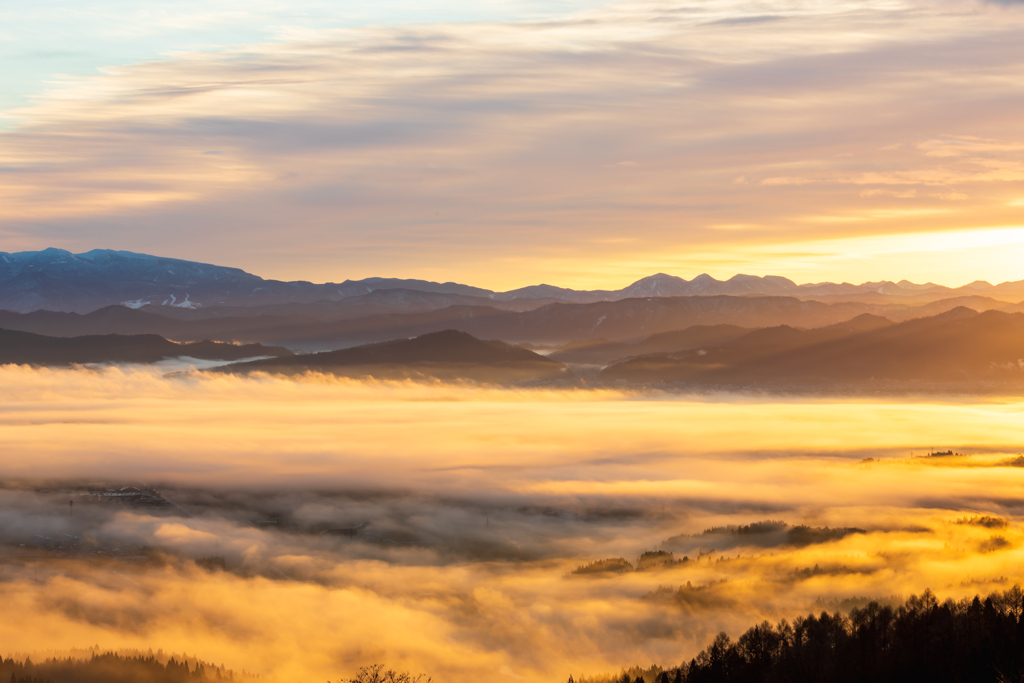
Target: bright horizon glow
point(917, 258)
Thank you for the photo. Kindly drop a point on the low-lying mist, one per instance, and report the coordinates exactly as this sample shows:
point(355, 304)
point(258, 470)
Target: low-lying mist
point(300, 529)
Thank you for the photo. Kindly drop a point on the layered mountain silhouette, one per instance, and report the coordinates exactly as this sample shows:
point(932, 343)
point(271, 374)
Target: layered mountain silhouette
point(377, 302)
point(626, 320)
point(956, 348)
point(34, 349)
point(448, 355)
point(603, 352)
point(745, 331)
point(57, 280)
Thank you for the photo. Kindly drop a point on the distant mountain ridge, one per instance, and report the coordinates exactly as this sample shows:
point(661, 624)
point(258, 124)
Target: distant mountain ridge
point(552, 324)
point(959, 347)
point(57, 280)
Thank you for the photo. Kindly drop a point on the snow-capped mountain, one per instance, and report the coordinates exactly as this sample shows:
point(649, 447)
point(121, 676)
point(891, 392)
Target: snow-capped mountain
point(57, 280)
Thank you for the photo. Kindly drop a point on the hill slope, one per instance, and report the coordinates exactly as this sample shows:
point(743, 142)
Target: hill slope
point(34, 349)
point(602, 351)
point(957, 348)
point(448, 354)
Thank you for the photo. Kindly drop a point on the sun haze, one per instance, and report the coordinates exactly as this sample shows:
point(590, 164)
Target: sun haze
point(843, 141)
point(517, 341)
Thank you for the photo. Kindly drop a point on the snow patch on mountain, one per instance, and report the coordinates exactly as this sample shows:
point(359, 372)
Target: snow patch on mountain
point(191, 305)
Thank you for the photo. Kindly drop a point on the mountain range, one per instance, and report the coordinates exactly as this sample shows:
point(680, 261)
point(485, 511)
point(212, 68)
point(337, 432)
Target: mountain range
point(551, 325)
point(57, 280)
point(958, 348)
point(58, 308)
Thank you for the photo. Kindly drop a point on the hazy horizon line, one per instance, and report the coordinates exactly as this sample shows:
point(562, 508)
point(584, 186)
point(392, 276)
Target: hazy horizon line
point(540, 284)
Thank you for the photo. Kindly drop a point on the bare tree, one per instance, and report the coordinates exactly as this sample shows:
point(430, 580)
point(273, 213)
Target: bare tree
point(376, 673)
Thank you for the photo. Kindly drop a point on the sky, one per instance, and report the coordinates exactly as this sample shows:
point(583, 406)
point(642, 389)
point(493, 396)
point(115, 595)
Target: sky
point(512, 142)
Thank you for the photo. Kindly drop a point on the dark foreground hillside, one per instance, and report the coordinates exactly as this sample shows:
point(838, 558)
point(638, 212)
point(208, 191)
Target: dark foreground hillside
point(36, 349)
point(443, 355)
point(975, 641)
point(111, 668)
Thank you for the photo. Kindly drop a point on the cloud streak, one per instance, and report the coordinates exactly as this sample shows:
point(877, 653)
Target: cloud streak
point(509, 147)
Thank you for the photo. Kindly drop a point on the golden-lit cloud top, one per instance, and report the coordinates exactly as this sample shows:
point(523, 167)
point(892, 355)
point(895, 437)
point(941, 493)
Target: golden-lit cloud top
point(480, 502)
point(817, 140)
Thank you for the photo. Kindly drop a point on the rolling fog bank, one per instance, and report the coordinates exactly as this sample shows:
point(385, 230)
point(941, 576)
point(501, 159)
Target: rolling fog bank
point(302, 529)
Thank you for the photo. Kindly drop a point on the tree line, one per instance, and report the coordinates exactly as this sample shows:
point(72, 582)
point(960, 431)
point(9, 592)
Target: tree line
point(109, 668)
point(970, 640)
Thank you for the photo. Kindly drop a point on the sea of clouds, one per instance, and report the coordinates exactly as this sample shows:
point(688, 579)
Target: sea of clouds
point(469, 509)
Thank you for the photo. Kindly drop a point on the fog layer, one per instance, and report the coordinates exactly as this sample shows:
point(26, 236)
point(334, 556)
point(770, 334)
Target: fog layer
point(301, 529)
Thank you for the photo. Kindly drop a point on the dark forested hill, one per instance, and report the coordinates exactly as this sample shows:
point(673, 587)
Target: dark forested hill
point(970, 641)
point(113, 668)
point(35, 349)
point(448, 354)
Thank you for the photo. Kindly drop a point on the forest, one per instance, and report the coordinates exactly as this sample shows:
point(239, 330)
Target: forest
point(111, 667)
point(976, 640)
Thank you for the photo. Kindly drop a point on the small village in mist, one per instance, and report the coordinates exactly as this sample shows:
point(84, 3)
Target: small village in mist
point(576, 341)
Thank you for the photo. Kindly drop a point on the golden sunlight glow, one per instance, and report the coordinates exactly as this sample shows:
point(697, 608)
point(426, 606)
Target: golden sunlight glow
point(298, 528)
point(539, 481)
point(954, 257)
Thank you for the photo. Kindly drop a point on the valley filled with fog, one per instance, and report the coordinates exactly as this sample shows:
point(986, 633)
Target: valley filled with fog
point(301, 528)
point(578, 341)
